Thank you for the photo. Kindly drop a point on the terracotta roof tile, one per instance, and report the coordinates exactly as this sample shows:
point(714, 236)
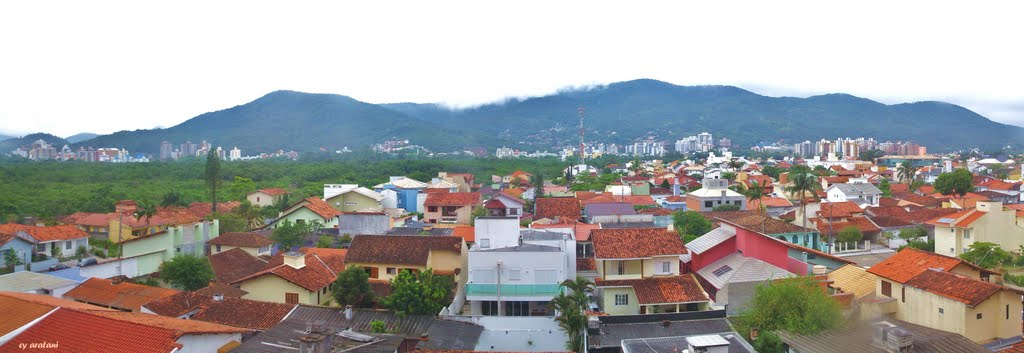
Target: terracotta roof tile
point(586, 264)
point(45, 234)
point(231, 265)
point(334, 258)
point(16, 313)
point(467, 233)
point(399, 249)
point(910, 262)
point(862, 223)
point(86, 332)
point(769, 202)
point(321, 208)
point(236, 312)
point(926, 201)
point(221, 288)
point(453, 199)
point(658, 290)
point(314, 276)
point(249, 240)
point(637, 200)
point(124, 295)
point(52, 301)
point(579, 229)
point(839, 209)
point(170, 323)
point(272, 191)
point(204, 209)
point(962, 289)
point(562, 207)
point(950, 220)
point(675, 198)
point(756, 221)
point(926, 214)
point(632, 243)
point(657, 211)
point(89, 219)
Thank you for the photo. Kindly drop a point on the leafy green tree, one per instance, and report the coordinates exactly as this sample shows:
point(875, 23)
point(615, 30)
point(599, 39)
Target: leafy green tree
point(822, 171)
point(987, 255)
point(252, 215)
point(352, 287)
point(570, 307)
point(885, 188)
point(289, 235)
point(212, 176)
point(726, 208)
point(538, 183)
point(871, 155)
point(909, 234)
point(690, 225)
point(772, 171)
point(11, 259)
point(378, 326)
point(905, 172)
point(755, 192)
point(729, 175)
point(959, 183)
point(420, 293)
point(802, 183)
point(796, 305)
point(240, 187)
point(325, 241)
point(916, 184)
point(850, 234)
point(478, 211)
point(145, 210)
point(187, 272)
point(172, 198)
point(80, 252)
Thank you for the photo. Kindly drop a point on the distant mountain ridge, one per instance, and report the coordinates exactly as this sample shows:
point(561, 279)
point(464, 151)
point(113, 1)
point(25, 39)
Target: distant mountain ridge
point(615, 113)
point(79, 137)
point(8, 145)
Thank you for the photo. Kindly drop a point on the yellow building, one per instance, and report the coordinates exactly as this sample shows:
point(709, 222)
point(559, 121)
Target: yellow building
point(358, 199)
point(638, 273)
point(946, 293)
point(252, 243)
point(987, 222)
point(292, 278)
point(384, 256)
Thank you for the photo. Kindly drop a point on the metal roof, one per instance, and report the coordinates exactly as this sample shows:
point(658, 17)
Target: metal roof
point(736, 268)
point(710, 239)
point(28, 281)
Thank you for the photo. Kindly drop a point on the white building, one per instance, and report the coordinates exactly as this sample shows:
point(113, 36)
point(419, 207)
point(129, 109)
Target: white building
point(863, 194)
point(235, 154)
point(514, 272)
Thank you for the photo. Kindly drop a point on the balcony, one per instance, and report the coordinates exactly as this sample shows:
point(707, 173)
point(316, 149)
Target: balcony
point(449, 219)
point(623, 276)
point(513, 290)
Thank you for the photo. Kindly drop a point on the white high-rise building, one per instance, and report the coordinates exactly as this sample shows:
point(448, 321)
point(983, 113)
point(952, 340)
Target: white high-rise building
point(235, 154)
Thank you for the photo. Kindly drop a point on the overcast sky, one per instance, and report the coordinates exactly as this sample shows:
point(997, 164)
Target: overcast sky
point(104, 66)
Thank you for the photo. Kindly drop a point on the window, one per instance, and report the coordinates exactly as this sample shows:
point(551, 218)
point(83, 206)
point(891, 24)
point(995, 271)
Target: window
point(513, 211)
point(291, 298)
point(218, 247)
point(513, 275)
point(67, 245)
point(978, 316)
point(941, 311)
point(620, 268)
point(392, 271)
point(708, 204)
point(887, 289)
point(262, 249)
point(1007, 311)
point(622, 299)
point(431, 208)
point(666, 267)
point(323, 291)
point(41, 248)
point(351, 203)
point(485, 243)
point(967, 234)
point(257, 199)
point(903, 294)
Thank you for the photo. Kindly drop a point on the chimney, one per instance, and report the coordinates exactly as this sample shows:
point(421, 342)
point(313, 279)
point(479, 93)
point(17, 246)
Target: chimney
point(783, 178)
point(295, 259)
point(218, 297)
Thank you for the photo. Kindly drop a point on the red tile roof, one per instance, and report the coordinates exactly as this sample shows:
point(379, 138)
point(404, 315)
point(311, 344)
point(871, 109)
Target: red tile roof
point(204, 209)
point(962, 289)
point(399, 249)
point(229, 266)
point(170, 323)
point(675, 198)
point(910, 262)
point(659, 290)
point(89, 219)
point(237, 312)
point(633, 243)
point(45, 234)
point(321, 208)
point(86, 332)
point(926, 214)
point(223, 289)
point(637, 200)
point(124, 295)
point(926, 201)
point(839, 209)
point(863, 224)
point(248, 240)
point(656, 211)
point(165, 216)
point(769, 202)
point(467, 233)
point(52, 302)
point(453, 199)
point(562, 207)
point(314, 276)
point(887, 211)
point(996, 184)
point(334, 258)
point(586, 264)
point(272, 191)
point(579, 229)
point(959, 219)
point(17, 313)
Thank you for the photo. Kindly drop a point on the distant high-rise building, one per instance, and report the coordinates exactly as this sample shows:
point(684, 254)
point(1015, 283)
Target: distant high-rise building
point(166, 151)
point(236, 154)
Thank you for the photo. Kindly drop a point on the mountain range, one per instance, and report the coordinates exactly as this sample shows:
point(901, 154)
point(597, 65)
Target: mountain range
point(616, 113)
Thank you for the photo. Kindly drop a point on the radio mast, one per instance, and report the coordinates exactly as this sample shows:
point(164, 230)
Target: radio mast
point(583, 154)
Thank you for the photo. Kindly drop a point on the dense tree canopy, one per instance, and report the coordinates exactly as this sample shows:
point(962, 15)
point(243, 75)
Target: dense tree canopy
point(987, 255)
point(795, 305)
point(352, 287)
point(421, 293)
point(959, 183)
point(690, 225)
point(187, 272)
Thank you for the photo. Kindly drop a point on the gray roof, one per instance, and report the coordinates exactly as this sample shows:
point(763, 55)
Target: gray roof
point(525, 248)
point(613, 334)
point(418, 231)
point(412, 326)
point(286, 335)
point(858, 189)
point(28, 281)
point(534, 234)
point(858, 339)
point(609, 209)
point(736, 268)
point(673, 344)
point(452, 335)
point(710, 239)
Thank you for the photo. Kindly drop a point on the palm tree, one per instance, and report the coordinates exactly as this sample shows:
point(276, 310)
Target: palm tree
point(801, 184)
point(755, 192)
point(905, 172)
point(145, 210)
point(570, 308)
point(212, 177)
point(736, 164)
point(636, 165)
point(253, 216)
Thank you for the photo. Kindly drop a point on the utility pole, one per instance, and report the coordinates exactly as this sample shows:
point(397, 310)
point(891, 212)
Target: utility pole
point(583, 155)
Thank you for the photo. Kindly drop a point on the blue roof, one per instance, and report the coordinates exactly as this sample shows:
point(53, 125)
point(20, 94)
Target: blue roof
point(73, 274)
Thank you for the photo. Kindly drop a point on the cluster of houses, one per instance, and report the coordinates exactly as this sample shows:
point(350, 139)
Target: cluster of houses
point(509, 246)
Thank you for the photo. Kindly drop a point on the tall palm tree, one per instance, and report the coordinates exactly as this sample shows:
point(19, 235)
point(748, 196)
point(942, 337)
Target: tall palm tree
point(755, 192)
point(905, 172)
point(802, 184)
point(570, 308)
point(735, 164)
point(212, 176)
point(145, 210)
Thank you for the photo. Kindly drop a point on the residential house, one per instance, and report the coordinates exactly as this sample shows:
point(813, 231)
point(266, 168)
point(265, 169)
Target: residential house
point(674, 202)
point(518, 272)
point(1010, 190)
point(881, 336)
point(989, 222)
point(504, 205)
point(231, 265)
point(70, 326)
point(608, 212)
point(21, 247)
point(769, 226)
point(638, 273)
point(638, 185)
point(266, 197)
point(833, 217)
point(517, 177)
point(117, 294)
point(51, 241)
point(463, 181)
point(557, 208)
point(353, 198)
point(407, 192)
point(364, 223)
point(853, 279)
point(383, 256)
point(450, 208)
point(143, 255)
point(38, 283)
point(773, 206)
point(220, 309)
point(293, 278)
point(253, 243)
point(309, 210)
point(862, 194)
point(946, 293)
point(715, 192)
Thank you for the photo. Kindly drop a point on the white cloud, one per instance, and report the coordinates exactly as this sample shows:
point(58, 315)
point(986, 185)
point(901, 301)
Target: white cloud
point(71, 66)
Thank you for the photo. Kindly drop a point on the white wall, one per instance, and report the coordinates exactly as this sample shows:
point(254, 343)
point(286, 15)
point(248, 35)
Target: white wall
point(128, 267)
point(501, 232)
point(206, 343)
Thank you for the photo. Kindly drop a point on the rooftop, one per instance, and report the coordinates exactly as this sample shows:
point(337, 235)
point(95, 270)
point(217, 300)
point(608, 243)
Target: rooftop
point(45, 234)
point(710, 239)
point(399, 249)
point(123, 295)
point(247, 239)
point(560, 207)
point(231, 265)
point(736, 268)
point(236, 312)
point(452, 199)
point(612, 335)
point(26, 281)
point(910, 262)
point(858, 338)
point(673, 344)
point(661, 290)
point(960, 288)
point(314, 276)
point(87, 332)
point(632, 243)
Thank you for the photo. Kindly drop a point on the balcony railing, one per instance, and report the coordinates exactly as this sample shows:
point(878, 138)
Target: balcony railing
point(449, 219)
point(624, 276)
point(514, 290)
